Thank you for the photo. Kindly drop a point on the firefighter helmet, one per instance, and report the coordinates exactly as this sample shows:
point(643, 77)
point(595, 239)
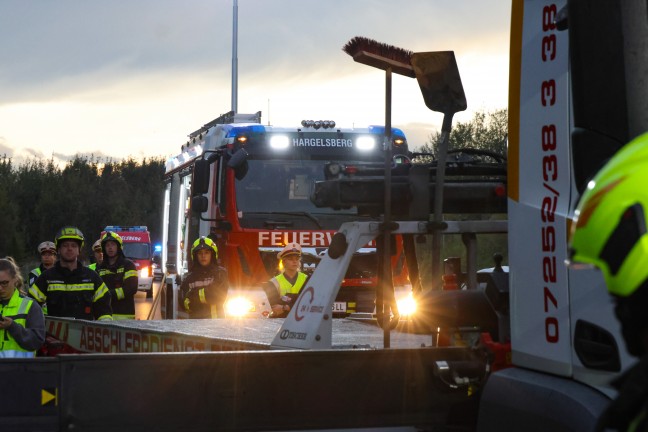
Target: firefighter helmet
point(204, 243)
point(290, 249)
point(47, 246)
point(69, 233)
point(111, 236)
point(609, 229)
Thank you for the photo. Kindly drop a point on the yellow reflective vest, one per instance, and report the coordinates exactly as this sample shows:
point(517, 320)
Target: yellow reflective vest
point(285, 287)
point(17, 309)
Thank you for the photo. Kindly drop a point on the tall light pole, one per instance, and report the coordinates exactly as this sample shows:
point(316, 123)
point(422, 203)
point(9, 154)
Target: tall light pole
point(235, 56)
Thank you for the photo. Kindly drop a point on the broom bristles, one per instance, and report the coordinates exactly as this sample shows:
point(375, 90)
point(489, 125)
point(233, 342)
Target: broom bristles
point(391, 52)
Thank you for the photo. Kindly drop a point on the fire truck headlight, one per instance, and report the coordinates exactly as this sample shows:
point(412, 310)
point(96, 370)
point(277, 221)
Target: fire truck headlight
point(279, 142)
point(238, 307)
point(144, 272)
point(366, 143)
point(406, 306)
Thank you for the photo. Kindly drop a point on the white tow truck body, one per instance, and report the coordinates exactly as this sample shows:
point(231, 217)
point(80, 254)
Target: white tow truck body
point(571, 106)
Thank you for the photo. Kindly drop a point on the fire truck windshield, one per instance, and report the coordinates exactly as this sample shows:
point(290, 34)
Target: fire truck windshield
point(137, 250)
point(281, 186)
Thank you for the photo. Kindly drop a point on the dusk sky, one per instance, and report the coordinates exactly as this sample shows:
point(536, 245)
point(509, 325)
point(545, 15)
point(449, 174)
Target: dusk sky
point(133, 78)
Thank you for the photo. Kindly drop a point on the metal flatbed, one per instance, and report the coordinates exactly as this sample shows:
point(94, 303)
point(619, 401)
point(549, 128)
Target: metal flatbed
point(130, 336)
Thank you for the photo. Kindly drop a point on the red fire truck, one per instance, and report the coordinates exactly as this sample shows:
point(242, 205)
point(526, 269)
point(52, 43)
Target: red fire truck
point(137, 248)
point(248, 187)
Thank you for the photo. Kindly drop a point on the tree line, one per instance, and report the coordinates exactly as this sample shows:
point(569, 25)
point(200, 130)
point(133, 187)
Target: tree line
point(38, 197)
point(486, 131)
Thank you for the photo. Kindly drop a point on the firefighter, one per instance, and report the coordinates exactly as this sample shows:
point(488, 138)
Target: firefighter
point(47, 252)
point(69, 289)
point(120, 276)
point(610, 233)
point(283, 289)
point(22, 325)
point(98, 255)
point(204, 290)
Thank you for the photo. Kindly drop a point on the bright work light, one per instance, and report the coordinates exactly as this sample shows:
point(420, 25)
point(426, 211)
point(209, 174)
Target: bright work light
point(366, 143)
point(279, 142)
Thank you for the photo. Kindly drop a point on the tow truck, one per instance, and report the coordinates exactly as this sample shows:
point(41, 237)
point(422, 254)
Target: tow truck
point(576, 97)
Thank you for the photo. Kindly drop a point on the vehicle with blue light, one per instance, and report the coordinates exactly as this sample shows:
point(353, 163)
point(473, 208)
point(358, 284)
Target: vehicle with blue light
point(248, 186)
point(158, 271)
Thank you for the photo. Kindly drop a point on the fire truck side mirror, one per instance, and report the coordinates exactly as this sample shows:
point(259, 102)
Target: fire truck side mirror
point(238, 162)
point(200, 183)
point(199, 203)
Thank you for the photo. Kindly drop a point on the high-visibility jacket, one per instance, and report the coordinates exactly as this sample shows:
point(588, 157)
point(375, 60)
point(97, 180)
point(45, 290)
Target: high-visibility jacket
point(121, 279)
point(78, 293)
point(16, 341)
point(280, 291)
point(285, 287)
point(33, 274)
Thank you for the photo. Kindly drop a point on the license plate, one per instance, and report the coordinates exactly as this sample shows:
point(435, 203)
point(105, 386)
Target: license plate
point(339, 307)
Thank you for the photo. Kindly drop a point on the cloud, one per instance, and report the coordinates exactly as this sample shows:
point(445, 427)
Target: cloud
point(134, 78)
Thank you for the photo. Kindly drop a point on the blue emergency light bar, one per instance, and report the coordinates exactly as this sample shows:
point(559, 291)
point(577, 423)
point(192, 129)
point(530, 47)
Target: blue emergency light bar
point(126, 228)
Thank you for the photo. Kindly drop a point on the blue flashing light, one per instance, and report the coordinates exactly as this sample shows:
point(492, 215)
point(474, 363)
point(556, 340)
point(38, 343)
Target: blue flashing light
point(235, 131)
point(126, 228)
point(380, 130)
point(157, 248)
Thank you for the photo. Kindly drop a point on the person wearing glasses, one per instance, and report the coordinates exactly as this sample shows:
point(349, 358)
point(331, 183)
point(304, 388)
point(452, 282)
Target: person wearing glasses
point(22, 325)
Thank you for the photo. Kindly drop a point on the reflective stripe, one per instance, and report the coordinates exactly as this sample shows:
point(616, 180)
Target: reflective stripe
point(117, 317)
point(120, 293)
point(17, 354)
point(101, 291)
point(23, 308)
point(201, 295)
point(71, 287)
point(37, 293)
point(105, 318)
point(130, 273)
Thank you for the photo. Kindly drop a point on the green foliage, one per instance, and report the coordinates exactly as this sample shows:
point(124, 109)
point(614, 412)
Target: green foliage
point(39, 197)
point(486, 131)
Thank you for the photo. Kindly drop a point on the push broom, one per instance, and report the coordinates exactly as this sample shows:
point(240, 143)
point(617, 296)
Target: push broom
point(392, 60)
point(440, 83)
